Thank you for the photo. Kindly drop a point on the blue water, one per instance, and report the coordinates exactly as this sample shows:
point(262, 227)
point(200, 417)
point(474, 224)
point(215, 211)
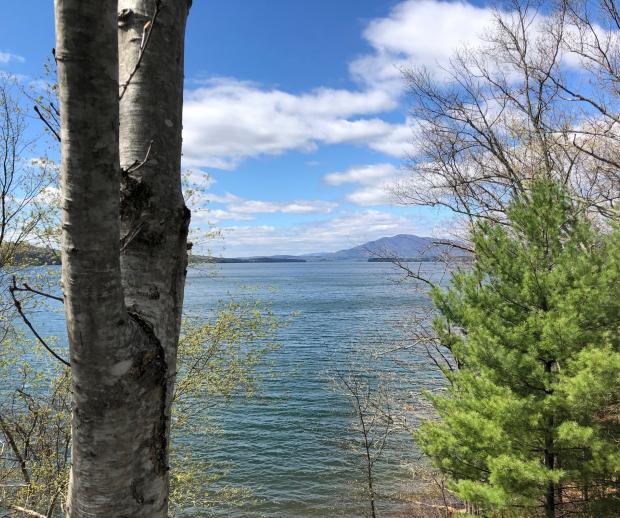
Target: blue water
point(287, 444)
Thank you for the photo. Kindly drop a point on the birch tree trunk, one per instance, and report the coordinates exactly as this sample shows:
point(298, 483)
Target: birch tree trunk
point(154, 218)
point(123, 250)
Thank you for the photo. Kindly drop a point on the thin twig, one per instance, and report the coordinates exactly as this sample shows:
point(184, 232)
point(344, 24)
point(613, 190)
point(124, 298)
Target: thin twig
point(55, 109)
point(140, 163)
point(412, 274)
point(42, 293)
point(50, 509)
point(13, 443)
point(453, 244)
point(27, 512)
point(46, 122)
point(18, 306)
point(143, 47)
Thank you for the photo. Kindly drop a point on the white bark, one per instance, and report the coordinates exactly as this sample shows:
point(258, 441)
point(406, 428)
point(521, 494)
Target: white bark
point(123, 301)
point(154, 218)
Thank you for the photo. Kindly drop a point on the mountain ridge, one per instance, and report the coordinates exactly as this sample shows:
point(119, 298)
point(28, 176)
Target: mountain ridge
point(400, 246)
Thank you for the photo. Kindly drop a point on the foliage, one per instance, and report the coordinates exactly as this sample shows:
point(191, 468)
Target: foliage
point(530, 418)
point(35, 424)
point(216, 359)
point(34, 410)
point(223, 341)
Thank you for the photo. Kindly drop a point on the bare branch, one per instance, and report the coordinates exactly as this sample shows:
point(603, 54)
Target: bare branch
point(146, 37)
point(20, 459)
point(413, 274)
point(26, 287)
point(140, 163)
point(46, 122)
point(27, 512)
point(20, 310)
point(453, 244)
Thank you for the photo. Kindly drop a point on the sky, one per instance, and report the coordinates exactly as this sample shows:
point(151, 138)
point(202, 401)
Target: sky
point(295, 113)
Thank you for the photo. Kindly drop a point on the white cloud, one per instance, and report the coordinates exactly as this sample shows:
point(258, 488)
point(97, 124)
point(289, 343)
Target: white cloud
point(373, 195)
point(397, 142)
point(241, 206)
point(367, 174)
point(417, 33)
point(347, 230)
point(427, 33)
point(7, 57)
point(374, 183)
point(215, 216)
point(227, 121)
point(241, 209)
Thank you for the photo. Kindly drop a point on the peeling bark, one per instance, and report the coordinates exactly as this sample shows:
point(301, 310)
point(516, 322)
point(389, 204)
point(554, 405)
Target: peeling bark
point(122, 303)
point(153, 212)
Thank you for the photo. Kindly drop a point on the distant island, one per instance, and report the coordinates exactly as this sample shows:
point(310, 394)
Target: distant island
point(271, 259)
point(401, 259)
point(402, 247)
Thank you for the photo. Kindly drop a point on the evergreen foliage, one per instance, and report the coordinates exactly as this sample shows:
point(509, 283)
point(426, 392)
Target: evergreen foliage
point(529, 423)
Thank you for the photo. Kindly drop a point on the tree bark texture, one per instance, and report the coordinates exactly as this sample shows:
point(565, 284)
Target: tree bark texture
point(154, 218)
point(123, 293)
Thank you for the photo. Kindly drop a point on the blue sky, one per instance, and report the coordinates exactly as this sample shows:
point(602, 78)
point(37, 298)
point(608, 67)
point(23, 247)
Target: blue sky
point(295, 121)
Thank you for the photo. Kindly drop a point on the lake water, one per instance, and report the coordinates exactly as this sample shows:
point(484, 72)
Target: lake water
point(286, 443)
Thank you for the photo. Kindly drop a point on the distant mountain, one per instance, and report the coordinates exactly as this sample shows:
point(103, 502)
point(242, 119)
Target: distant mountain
point(402, 246)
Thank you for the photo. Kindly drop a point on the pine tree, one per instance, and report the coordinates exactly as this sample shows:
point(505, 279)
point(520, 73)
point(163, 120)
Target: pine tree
point(529, 421)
